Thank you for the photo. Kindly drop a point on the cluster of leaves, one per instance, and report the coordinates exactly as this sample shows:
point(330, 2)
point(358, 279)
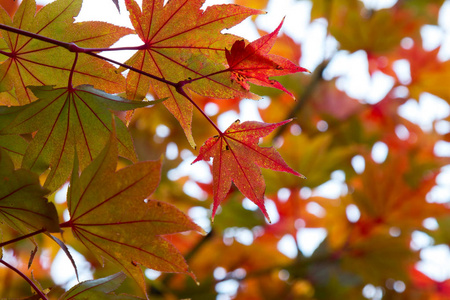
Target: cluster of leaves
point(60, 119)
point(58, 91)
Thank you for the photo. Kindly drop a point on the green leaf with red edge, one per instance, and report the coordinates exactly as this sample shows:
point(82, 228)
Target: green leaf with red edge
point(68, 121)
point(183, 42)
point(237, 158)
point(22, 202)
point(110, 215)
point(253, 63)
point(34, 62)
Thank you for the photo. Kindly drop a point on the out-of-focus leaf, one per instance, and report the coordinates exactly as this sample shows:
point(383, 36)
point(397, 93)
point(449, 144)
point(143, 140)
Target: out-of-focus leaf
point(15, 146)
point(23, 205)
point(376, 32)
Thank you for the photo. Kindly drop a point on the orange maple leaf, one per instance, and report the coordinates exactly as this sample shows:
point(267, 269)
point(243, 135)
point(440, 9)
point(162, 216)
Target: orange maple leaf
point(252, 63)
point(237, 158)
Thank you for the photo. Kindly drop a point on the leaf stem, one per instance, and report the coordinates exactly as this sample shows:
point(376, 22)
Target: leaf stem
point(30, 282)
point(22, 237)
point(180, 90)
point(65, 224)
point(69, 84)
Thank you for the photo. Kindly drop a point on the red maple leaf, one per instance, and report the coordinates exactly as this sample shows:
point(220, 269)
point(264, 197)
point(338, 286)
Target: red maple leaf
point(252, 63)
point(237, 158)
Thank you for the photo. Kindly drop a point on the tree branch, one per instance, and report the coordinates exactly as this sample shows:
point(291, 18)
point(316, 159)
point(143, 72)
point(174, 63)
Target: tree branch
point(316, 78)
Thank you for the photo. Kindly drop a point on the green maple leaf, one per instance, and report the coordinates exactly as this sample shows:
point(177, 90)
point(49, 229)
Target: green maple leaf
point(110, 215)
point(34, 62)
point(68, 121)
point(15, 145)
point(97, 289)
point(23, 205)
point(181, 41)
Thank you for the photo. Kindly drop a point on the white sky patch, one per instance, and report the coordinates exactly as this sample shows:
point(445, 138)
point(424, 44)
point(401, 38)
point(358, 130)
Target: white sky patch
point(201, 217)
point(198, 172)
point(353, 213)
point(402, 69)
point(314, 46)
point(249, 204)
point(358, 163)
point(272, 211)
point(171, 151)
point(432, 36)
point(190, 188)
point(248, 111)
point(244, 236)
point(379, 152)
point(379, 86)
point(442, 149)
point(152, 274)
point(435, 262)
point(331, 189)
point(63, 273)
point(61, 194)
point(287, 246)
point(309, 239)
point(442, 127)
point(430, 108)
point(226, 119)
point(444, 22)
point(226, 289)
point(430, 224)
point(378, 4)
point(315, 209)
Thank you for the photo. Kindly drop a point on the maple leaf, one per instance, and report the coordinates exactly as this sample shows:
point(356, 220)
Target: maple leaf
point(237, 158)
point(34, 62)
point(97, 289)
point(68, 120)
point(183, 42)
point(110, 216)
point(15, 145)
point(22, 202)
point(252, 63)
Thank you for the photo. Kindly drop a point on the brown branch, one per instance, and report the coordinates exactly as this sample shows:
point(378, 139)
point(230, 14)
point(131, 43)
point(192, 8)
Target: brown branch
point(304, 97)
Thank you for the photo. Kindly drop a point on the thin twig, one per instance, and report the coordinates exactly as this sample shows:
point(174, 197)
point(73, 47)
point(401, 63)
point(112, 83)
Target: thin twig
point(30, 282)
point(22, 237)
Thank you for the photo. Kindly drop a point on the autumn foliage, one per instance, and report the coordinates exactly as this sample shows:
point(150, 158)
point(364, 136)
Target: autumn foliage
point(99, 155)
